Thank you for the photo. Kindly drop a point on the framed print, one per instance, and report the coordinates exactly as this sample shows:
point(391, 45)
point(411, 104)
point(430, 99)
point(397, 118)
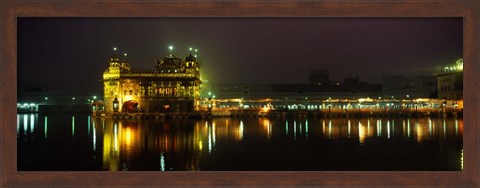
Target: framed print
point(201, 93)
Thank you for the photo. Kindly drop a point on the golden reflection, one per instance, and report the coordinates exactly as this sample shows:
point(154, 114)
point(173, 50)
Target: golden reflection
point(361, 133)
point(329, 129)
point(419, 132)
point(408, 128)
point(128, 138)
point(348, 131)
point(267, 127)
point(111, 156)
point(125, 141)
point(444, 128)
point(240, 132)
point(323, 128)
point(430, 126)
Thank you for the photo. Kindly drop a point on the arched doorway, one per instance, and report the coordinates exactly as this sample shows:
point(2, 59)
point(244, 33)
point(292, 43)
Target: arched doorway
point(130, 106)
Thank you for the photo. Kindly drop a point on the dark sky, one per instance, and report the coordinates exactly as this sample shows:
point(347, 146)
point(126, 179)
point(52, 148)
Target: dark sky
point(71, 54)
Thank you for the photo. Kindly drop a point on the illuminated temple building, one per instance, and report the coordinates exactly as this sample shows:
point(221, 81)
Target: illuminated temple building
point(173, 85)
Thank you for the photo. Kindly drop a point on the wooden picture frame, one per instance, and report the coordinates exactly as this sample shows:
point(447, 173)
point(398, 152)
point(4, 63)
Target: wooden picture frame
point(11, 10)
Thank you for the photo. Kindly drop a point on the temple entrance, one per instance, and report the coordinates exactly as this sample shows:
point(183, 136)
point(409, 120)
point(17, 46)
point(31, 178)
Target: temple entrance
point(130, 106)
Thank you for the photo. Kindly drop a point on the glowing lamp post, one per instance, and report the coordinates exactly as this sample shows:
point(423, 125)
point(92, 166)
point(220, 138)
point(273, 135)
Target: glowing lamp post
point(115, 104)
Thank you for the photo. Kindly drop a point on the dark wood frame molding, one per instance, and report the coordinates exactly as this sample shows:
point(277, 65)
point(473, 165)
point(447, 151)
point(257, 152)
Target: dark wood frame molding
point(11, 10)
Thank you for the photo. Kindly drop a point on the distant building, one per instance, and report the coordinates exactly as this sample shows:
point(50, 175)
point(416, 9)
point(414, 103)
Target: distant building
point(398, 86)
point(247, 91)
point(349, 88)
point(450, 80)
point(319, 77)
point(173, 85)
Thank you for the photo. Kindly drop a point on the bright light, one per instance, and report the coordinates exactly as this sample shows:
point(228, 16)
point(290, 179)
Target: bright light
point(46, 98)
point(94, 97)
point(170, 47)
point(265, 109)
point(73, 98)
point(32, 104)
point(114, 48)
point(125, 54)
point(196, 50)
point(190, 49)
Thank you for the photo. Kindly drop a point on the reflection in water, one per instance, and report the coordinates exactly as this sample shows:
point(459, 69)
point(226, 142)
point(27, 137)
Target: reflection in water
point(430, 126)
point(18, 124)
point(329, 129)
point(209, 139)
point(388, 129)
point(408, 127)
point(361, 133)
point(32, 124)
point(110, 156)
point(456, 127)
point(306, 128)
point(88, 124)
point(162, 162)
point(45, 127)
point(73, 125)
point(94, 136)
point(241, 131)
point(294, 130)
point(25, 124)
point(444, 127)
point(167, 145)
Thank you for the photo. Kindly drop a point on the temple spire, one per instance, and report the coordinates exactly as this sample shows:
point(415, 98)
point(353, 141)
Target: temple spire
point(171, 49)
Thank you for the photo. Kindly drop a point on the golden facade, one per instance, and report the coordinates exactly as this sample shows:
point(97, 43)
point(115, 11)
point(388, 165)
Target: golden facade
point(172, 86)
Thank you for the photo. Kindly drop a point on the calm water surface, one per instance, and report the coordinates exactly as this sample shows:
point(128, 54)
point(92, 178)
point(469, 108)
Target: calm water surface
point(78, 142)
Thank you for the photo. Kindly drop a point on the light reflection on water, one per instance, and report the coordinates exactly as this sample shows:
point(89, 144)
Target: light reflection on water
point(253, 143)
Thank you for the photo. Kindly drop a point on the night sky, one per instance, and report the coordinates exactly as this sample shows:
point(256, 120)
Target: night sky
point(70, 54)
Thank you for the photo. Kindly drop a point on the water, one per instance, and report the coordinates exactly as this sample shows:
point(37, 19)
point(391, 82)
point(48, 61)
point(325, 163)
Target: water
point(78, 142)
